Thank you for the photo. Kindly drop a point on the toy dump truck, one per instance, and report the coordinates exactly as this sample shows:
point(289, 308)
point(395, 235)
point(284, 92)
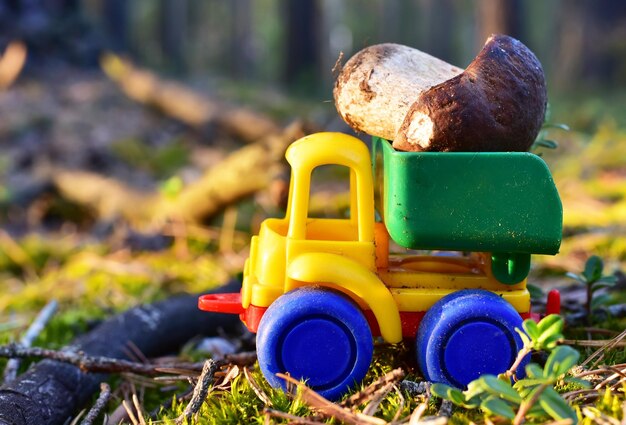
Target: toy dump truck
point(317, 291)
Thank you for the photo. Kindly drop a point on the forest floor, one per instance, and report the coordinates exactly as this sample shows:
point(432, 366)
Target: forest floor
point(96, 265)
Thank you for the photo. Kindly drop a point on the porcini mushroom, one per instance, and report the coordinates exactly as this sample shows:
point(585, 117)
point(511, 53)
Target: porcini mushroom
point(421, 103)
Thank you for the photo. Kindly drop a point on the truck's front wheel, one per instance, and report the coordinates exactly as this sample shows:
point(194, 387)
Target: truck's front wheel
point(316, 335)
point(467, 334)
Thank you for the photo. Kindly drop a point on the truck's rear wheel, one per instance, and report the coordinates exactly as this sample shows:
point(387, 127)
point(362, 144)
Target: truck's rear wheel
point(467, 334)
point(316, 335)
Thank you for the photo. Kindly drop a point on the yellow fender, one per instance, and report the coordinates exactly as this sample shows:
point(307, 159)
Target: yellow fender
point(336, 271)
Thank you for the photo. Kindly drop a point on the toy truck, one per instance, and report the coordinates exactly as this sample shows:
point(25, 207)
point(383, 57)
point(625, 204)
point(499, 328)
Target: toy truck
point(317, 291)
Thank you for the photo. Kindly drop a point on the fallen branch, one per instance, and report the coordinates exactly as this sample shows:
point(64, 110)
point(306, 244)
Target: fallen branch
point(103, 399)
point(240, 174)
point(50, 392)
point(366, 394)
point(11, 63)
point(200, 391)
point(44, 316)
point(93, 363)
point(330, 409)
point(183, 104)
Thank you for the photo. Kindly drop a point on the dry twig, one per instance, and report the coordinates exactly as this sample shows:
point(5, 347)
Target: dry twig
point(11, 63)
point(38, 325)
point(291, 418)
point(112, 365)
point(199, 392)
point(103, 399)
point(330, 409)
point(91, 363)
point(240, 174)
point(599, 354)
point(417, 413)
point(182, 103)
point(257, 390)
point(367, 394)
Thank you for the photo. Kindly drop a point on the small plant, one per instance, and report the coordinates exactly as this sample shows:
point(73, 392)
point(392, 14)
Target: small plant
point(533, 396)
point(540, 140)
point(593, 279)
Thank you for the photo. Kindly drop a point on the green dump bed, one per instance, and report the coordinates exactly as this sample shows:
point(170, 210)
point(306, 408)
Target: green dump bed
point(464, 201)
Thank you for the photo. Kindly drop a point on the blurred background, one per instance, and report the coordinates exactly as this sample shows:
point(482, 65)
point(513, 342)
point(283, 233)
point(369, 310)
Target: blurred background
point(294, 45)
point(142, 142)
point(151, 132)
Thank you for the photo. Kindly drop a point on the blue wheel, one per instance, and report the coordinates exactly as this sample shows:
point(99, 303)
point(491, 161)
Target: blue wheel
point(316, 335)
point(468, 334)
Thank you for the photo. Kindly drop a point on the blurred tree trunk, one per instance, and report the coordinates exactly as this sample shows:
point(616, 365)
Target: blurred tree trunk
point(592, 44)
point(440, 24)
point(604, 49)
point(302, 38)
point(115, 14)
point(499, 17)
point(173, 31)
point(241, 54)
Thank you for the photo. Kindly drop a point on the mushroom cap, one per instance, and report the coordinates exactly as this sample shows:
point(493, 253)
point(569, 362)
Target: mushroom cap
point(497, 104)
point(376, 87)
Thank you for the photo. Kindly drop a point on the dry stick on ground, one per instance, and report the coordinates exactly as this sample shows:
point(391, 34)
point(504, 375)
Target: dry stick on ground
point(417, 413)
point(330, 409)
point(110, 365)
point(91, 363)
point(599, 353)
point(103, 399)
point(42, 319)
point(257, 389)
point(11, 63)
point(155, 329)
point(291, 418)
point(184, 104)
point(590, 343)
point(199, 392)
point(366, 394)
point(240, 174)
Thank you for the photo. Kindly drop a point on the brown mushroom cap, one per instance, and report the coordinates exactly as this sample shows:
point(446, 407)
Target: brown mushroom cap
point(497, 104)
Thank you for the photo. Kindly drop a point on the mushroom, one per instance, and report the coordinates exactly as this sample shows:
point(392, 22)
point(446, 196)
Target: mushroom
point(421, 103)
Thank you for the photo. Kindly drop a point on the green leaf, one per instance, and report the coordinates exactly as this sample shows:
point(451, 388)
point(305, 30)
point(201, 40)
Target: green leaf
point(545, 143)
point(550, 328)
point(560, 361)
point(555, 406)
point(495, 406)
point(608, 279)
point(533, 371)
point(561, 126)
point(526, 341)
point(447, 392)
point(593, 269)
point(576, 277)
point(600, 300)
point(440, 390)
point(501, 389)
point(530, 326)
point(601, 284)
point(456, 396)
point(475, 389)
point(525, 386)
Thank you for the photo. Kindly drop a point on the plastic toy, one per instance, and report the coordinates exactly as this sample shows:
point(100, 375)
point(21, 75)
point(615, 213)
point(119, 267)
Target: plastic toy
point(317, 291)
